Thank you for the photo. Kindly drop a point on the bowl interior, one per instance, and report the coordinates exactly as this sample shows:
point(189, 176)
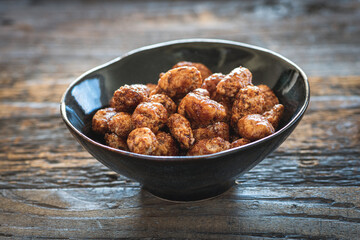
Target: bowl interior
point(94, 89)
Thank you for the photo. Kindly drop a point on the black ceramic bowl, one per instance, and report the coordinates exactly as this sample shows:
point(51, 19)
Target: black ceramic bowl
point(184, 177)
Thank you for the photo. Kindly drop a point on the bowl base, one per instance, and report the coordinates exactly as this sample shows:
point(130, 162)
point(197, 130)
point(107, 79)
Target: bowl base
point(198, 195)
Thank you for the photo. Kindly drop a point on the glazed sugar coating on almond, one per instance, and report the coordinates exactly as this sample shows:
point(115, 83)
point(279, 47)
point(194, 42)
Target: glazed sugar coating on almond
point(114, 141)
point(205, 71)
point(151, 87)
point(200, 110)
point(177, 82)
point(202, 92)
point(227, 103)
point(127, 97)
point(142, 141)
point(121, 124)
point(167, 102)
point(231, 84)
point(167, 145)
point(269, 96)
point(239, 142)
point(209, 146)
point(156, 90)
point(274, 115)
point(219, 129)
point(150, 114)
point(100, 120)
point(211, 82)
point(249, 100)
point(180, 129)
point(254, 127)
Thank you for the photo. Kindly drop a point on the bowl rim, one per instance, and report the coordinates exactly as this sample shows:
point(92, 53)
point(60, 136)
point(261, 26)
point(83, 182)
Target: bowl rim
point(293, 121)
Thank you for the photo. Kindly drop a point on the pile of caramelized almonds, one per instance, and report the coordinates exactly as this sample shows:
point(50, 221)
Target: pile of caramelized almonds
point(191, 111)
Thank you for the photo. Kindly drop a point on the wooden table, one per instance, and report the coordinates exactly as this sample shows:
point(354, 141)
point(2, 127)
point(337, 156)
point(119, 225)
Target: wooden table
point(51, 188)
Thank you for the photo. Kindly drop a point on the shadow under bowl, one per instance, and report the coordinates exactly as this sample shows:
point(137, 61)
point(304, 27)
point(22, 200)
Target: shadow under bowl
point(184, 178)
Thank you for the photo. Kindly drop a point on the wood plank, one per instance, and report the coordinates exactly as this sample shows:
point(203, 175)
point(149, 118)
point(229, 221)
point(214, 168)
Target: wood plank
point(67, 36)
point(51, 188)
point(250, 213)
point(335, 86)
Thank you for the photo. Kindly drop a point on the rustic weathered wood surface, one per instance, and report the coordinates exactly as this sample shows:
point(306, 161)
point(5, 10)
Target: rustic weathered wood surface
point(51, 188)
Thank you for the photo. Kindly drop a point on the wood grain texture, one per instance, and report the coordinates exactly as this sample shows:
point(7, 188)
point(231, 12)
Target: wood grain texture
point(321, 36)
point(250, 213)
point(51, 188)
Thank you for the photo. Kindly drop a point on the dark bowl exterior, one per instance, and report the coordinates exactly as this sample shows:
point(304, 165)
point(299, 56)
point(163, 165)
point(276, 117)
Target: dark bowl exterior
point(184, 178)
